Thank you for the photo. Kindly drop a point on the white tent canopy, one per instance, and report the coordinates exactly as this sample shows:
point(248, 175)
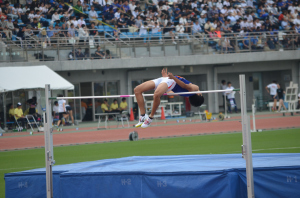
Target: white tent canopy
point(35, 77)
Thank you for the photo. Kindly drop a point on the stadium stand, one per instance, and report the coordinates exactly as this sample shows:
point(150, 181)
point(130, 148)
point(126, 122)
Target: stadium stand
point(226, 26)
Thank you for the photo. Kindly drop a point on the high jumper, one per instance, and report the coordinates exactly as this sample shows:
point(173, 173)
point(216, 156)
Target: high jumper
point(168, 83)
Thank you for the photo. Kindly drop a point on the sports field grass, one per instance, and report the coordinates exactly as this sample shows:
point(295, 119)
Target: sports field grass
point(280, 141)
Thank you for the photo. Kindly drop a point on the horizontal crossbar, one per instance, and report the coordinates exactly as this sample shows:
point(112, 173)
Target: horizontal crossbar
point(127, 96)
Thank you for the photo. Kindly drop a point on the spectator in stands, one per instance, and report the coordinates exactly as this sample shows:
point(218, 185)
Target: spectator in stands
point(168, 32)
point(180, 31)
point(93, 16)
point(50, 33)
point(81, 21)
point(9, 28)
point(86, 54)
point(55, 17)
point(116, 32)
point(109, 16)
point(16, 27)
point(122, 23)
point(98, 4)
point(237, 27)
point(83, 33)
point(272, 90)
point(108, 54)
point(79, 55)
point(197, 28)
point(25, 18)
point(114, 107)
point(78, 9)
point(21, 33)
point(19, 115)
point(156, 32)
point(226, 27)
point(285, 24)
point(94, 33)
point(227, 47)
point(99, 54)
point(231, 98)
point(123, 105)
point(144, 32)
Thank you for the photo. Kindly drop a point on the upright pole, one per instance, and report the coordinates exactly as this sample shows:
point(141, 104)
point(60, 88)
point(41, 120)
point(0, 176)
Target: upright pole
point(4, 110)
point(48, 143)
point(253, 115)
point(247, 147)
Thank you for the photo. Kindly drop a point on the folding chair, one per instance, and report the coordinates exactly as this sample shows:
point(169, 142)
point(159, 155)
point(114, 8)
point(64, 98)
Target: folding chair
point(123, 117)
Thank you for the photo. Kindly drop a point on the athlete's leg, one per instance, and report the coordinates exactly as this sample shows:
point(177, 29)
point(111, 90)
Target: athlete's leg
point(161, 89)
point(275, 104)
point(139, 90)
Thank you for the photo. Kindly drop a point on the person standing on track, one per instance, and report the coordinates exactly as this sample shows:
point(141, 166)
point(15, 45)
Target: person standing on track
point(272, 90)
point(61, 110)
point(166, 84)
point(231, 98)
point(279, 95)
point(224, 95)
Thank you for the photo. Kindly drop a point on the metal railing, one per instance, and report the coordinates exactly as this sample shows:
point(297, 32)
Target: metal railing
point(132, 45)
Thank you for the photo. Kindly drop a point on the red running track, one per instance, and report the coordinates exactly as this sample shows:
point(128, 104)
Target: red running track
point(10, 143)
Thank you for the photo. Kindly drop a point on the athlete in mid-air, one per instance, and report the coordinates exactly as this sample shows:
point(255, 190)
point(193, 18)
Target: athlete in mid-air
point(168, 83)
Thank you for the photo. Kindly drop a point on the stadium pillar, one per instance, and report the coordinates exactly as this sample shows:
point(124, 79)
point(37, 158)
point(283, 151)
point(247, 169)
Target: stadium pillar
point(246, 147)
point(210, 86)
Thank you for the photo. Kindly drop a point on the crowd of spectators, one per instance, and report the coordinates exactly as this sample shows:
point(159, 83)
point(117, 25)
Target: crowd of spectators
point(175, 19)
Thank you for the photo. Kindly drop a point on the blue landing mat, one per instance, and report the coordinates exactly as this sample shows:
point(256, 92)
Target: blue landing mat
point(215, 176)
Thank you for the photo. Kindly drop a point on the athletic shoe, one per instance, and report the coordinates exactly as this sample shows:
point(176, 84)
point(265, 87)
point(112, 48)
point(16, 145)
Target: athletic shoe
point(147, 122)
point(141, 120)
point(174, 43)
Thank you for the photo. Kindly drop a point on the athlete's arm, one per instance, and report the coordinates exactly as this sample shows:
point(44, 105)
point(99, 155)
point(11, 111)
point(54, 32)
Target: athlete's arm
point(190, 87)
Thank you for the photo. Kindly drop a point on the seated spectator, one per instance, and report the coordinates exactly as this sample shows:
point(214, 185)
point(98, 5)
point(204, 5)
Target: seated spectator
point(79, 55)
point(50, 33)
point(121, 22)
point(109, 16)
point(99, 53)
point(237, 27)
point(11, 112)
point(78, 9)
point(85, 5)
point(131, 25)
point(25, 19)
point(197, 28)
point(116, 32)
point(73, 21)
point(156, 32)
point(93, 16)
point(104, 107)
point(107, 54)
point(86, 54)
point(9, 28)
point(168, 31)
point(19, 115)
point(226, 45)
point(226, 27)
point(21, 33)
point(271, 44)
point(180, 31)
point(285, 24)
point(98, 4)
point(94, 33)
point(81, 21)
point(114, 107)
point(123, 105)
point(207, 27)
point(55, 17)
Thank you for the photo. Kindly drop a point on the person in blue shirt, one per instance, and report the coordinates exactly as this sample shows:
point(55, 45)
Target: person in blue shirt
point(109, 17)
point(168, 83)
point(116, 5)
point(125, 6)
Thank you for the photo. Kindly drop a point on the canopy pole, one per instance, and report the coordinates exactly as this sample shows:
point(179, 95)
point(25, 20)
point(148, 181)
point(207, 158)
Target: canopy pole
point(246, 147)
point(48, 133)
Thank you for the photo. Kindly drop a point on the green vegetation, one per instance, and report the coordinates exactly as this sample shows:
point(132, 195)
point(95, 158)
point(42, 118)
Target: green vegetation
point(280, 141)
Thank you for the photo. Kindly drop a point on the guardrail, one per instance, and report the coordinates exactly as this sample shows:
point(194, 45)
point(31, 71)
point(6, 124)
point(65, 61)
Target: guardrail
point(133, 45)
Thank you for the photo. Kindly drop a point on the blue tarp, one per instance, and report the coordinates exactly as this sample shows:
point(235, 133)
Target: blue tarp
point(275, 175)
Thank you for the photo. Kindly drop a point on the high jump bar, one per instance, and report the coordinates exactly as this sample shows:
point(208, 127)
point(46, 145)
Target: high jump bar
point(127, 96)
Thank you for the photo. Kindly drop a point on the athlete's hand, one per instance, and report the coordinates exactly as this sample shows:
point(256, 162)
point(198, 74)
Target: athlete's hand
point(170, 75)
point(164, 73)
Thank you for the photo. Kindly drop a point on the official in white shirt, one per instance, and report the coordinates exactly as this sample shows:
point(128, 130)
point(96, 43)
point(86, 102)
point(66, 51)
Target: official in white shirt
point(231, 98)
point(272, 90)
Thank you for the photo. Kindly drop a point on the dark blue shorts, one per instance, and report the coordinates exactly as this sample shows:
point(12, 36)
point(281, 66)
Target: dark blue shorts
point(272, 96)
